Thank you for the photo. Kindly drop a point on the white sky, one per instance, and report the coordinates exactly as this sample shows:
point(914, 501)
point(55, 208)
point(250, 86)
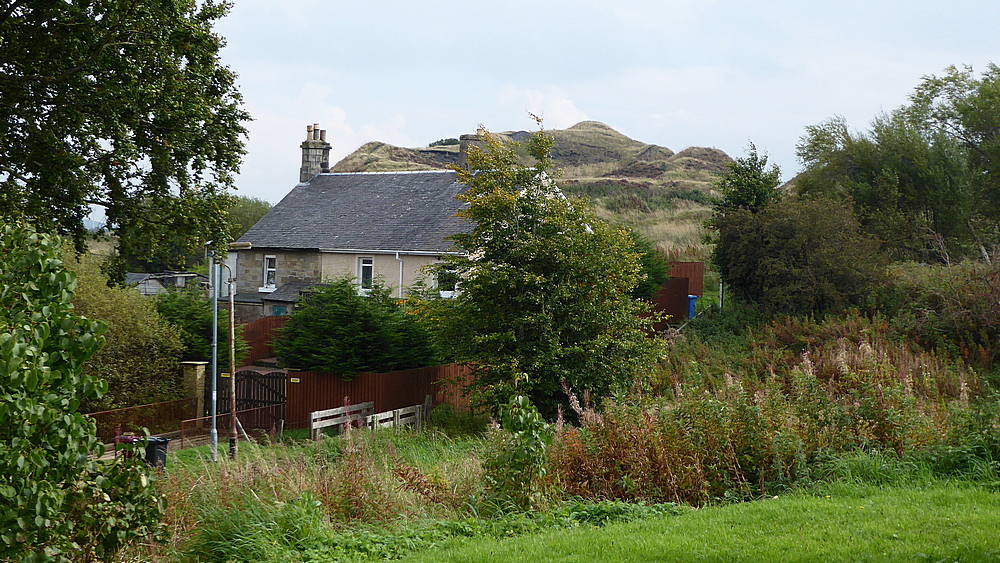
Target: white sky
point(675, 73)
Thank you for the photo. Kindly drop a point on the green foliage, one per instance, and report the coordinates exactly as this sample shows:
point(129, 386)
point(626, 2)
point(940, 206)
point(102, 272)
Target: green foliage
point(798, 256)
point(334, 329)
point(122, 106)
point(923, 178)
point(444, 142)
point(951, 308)
point(654, 267)
point(58, 502)
point(140, 359)
point(748, 183)
point(517, 462)
point(244, 212)
point(190, 311)
point(545, 286)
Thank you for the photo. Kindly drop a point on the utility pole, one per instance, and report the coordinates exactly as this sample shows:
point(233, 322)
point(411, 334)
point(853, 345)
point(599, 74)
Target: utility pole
point(213, 284)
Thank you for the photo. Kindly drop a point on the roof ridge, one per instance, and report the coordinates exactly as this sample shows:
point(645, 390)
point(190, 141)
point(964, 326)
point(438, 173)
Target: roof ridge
point(386, 172)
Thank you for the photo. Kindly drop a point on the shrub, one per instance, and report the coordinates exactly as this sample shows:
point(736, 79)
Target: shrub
point(516, 463)
point(335, 329)
point(59, 503)
point(798, 256)
point(190, 310)
point(953, 308)
point(140, 359)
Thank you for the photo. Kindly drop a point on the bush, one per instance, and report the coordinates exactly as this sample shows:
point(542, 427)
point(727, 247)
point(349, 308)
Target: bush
point(140, 360)
point(798, 256)
point(59, 503)
point(769, 408)
point(190, 310)
point(952, 308)
point(334, 329)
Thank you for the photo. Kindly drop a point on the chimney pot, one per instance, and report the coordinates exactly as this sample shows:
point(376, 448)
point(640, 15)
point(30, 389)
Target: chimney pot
point(315, 131)
point(322, 134)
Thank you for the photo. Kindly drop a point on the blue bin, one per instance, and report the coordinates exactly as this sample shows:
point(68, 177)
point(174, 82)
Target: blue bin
point(692, 303)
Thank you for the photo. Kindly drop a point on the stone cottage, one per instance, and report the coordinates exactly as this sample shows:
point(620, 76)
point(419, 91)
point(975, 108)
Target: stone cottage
point(367, 225)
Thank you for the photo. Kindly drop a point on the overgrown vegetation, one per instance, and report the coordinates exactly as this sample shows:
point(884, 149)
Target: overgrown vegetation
point(58, 502)
point(140, 358)
point(189, 309)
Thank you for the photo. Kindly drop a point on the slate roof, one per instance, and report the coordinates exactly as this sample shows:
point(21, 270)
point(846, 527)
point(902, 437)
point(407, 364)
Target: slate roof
point(288, 292)
point(412, 211)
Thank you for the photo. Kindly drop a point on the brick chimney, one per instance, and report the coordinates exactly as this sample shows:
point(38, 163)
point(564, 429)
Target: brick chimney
point(315, 153)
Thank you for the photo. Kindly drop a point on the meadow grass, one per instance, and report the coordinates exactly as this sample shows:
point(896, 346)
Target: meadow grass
point(939, 522)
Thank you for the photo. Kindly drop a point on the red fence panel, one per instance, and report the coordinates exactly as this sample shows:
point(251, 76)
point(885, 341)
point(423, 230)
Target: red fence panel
point(694, 272)
point(259, 335)
point(313, 391)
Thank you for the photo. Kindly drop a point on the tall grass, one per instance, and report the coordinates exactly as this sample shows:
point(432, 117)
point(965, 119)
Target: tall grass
point(743, 418)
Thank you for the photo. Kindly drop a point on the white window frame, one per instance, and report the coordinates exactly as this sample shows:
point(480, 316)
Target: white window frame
point(266, 287)
point(364, 261)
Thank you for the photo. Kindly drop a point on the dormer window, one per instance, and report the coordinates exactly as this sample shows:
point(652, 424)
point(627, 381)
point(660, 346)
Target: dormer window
point(270, 274)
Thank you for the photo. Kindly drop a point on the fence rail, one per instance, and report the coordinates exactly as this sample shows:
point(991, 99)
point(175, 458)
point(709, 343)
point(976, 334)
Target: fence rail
point(159, 418)
point(350, 414)
point(196, 430)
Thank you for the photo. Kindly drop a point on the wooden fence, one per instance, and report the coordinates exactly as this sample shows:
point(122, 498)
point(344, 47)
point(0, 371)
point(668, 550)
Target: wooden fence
point(355, 414)
point(259, 335)
point(315, 391)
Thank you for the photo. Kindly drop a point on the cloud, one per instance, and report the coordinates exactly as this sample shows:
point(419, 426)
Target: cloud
point(551, 104)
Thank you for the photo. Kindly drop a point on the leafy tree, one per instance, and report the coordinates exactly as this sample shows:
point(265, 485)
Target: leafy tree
point(140, 359)
point(910, 189)
point(190, 311)
point(924, 178)
point(119, 105)
point(336, 330)
point(748, 183)
point(444, 142)
point(244, 212)
point(798, 256)
point(58, 501)
point(545, 286)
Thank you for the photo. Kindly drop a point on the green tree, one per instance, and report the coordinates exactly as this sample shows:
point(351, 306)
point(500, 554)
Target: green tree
point(545, 286)
point(140, 359)
point(244, 212)
point(190, 311)
point(58, 501)
point(748, 183)
point(923, 179)
point(798, 256)
point(123, 106)
point(336, 330)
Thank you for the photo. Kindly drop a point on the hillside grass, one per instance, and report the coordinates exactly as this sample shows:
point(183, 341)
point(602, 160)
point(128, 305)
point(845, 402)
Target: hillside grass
point(941, 522)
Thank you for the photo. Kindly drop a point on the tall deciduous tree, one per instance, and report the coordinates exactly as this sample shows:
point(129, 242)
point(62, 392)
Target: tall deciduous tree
point(748, 183)
point(123, 106)
point(545, 286)
point(923, 179)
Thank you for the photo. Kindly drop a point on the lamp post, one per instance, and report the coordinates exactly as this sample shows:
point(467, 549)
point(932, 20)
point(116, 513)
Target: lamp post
point(233, 436)
point(213, 282)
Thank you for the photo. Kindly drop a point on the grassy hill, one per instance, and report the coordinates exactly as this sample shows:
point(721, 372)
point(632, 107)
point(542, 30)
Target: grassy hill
point(663, 194)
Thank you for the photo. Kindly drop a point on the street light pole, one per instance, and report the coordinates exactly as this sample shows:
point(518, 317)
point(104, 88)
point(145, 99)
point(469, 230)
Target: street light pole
point(213, 284)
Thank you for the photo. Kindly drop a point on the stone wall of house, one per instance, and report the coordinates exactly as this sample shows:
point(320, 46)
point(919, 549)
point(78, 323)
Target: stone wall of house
point(291, 266)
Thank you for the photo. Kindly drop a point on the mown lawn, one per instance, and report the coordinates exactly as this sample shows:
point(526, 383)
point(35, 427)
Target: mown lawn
point(942, 522)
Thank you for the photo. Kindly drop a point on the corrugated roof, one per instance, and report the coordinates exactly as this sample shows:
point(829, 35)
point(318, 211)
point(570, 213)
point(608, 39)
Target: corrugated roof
point(365, 211)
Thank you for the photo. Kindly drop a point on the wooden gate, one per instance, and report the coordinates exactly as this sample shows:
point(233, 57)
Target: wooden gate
point(255, 389)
